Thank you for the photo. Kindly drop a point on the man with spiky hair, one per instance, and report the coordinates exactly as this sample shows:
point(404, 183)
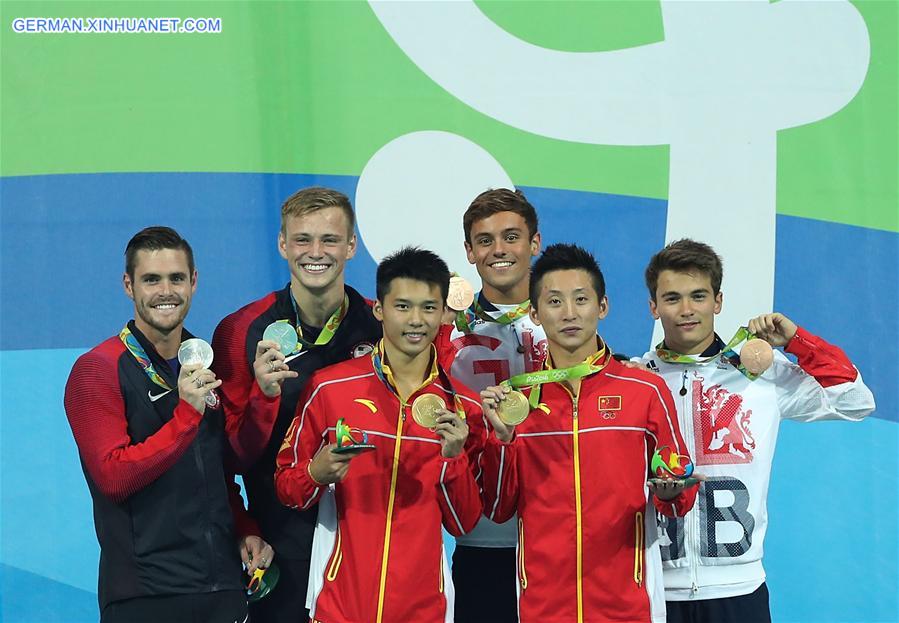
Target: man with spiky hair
point(575, 469)
point(261, 385)
point(379, 553)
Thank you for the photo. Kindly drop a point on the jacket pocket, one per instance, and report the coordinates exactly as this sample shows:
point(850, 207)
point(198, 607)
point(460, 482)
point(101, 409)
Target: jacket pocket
point(522, 572)
point(638, 549)
point(336, 559)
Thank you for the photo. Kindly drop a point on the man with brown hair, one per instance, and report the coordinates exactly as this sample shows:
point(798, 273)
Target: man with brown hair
point(730, 417)
point(152, 443)
point(261, 385)
point(491, 341)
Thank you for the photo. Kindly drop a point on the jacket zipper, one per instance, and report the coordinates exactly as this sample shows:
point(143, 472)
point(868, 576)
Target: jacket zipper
point(207, 534)
point(522, 573)
point(691, 527)
point(396, 465)
point(638, 549)
point(577, 512)
point(336, 558)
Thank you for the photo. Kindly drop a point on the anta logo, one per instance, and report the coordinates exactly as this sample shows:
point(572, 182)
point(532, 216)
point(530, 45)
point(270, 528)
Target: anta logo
point(721, 428)
point(542, 406)
point(368, 403)
point(362, 349)
point(289, 437)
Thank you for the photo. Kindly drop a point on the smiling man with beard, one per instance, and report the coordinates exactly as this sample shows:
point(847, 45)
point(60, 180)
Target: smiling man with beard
point(151, 447)
point(261, 385)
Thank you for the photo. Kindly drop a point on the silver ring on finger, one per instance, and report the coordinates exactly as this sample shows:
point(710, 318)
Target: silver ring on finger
point(200, 383)
point(271, 365)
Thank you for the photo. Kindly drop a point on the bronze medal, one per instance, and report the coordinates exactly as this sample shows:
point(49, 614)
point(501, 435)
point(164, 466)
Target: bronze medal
point(425, 408)
point(757, 356)
point(514, 409)
point(461, 294)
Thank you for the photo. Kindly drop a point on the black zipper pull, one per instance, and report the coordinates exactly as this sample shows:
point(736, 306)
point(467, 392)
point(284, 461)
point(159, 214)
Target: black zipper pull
point(683, 386)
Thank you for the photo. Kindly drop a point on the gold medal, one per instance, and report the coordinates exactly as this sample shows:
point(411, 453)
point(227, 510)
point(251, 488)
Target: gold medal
point(461, 294)
point(425, 408)
point(514, 409)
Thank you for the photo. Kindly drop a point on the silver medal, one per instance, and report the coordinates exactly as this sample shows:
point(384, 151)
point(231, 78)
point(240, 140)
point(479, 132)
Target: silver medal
point(282, 333)
point(194, 351)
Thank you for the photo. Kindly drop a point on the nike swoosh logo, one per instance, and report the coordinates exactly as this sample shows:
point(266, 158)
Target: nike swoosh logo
point(154, 398)
point(292, 357)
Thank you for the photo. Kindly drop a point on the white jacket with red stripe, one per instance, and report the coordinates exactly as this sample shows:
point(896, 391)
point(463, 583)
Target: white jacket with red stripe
point(575, 471)
point(730, 426)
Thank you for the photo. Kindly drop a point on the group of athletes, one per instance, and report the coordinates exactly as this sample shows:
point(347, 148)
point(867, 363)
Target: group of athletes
point(388, 424)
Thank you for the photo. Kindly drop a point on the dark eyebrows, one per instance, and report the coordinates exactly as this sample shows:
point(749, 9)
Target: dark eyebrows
point(410, 303)
point(157, 276)
point(576, 290)
point(692, 292)
point(505, 232)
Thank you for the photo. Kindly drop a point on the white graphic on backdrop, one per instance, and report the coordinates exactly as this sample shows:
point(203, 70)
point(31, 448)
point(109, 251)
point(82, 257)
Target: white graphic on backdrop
point(726, 78)
point(430, 178)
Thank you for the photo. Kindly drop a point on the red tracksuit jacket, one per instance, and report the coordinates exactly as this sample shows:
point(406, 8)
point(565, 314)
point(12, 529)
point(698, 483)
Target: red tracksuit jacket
point(378, 554)
point(575, 472)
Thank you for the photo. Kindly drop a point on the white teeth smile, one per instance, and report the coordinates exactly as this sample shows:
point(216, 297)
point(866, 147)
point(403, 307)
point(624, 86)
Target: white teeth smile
point(501, 264)
point(165, 306)
point(315, 268)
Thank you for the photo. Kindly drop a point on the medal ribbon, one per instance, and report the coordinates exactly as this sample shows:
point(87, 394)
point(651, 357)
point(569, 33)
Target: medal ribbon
point(327, 331)
point(557, 375)
point(477, 310)
point(742, 335)
point(383, 371)
point(138, 352)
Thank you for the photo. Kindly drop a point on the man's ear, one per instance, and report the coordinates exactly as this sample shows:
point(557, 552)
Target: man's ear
point(603, 307)
point(128, 285)
point(654, 309)
point(282, 244)
point(719, 299)
point(377, 310)
point(532, 312)
point(469, 253)
point(535, 245)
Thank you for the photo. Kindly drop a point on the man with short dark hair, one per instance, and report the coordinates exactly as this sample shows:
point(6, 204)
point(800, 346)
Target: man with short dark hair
point(379, 552)
point(492, 340)
point(575, 468)
point(261, 385)
point(733, 415)
point(151, 439)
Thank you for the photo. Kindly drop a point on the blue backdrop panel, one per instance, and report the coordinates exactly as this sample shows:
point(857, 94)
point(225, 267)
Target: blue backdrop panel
point(833, 504)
